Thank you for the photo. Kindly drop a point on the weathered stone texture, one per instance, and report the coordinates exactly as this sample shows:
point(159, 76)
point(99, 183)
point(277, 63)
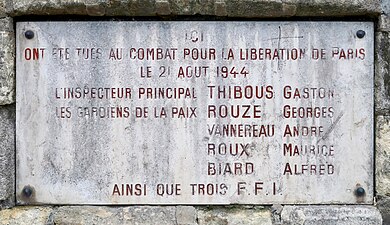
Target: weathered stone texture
point(225, 216)
point(383, 204)
point(163, 7)
point(382, 73)
point(86, 215)
point(7, 155)
point(7, 58)
point(276, 211)
point(186, 215)
point(136, 215)
point(331, 215)
point(336, 8)
point(232, 8)
point(3, 8)
point(382, 62)
point(383, 155)
point(88, 7)
point(26, 215)
point(250, 8)
point(384, 18)
point(180, 215)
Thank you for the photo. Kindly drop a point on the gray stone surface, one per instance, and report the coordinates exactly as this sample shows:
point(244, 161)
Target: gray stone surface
point(217, 215)
point(163, 7)
point(331, 215)
point(137, 215)
point(383, 205)
point(383, 155)
point(337, 8)
point(99, 215)
point(231, 8)
point(288, 8)
point(7, 59)
point(276, 211)
point(3, 7)
point(384, 23)
point(384, 18)
point(7, 155)
point(234, 216)
point(26, 216)
point(150, 215)
point(382, 66)
point(90, 7)
point(89, 215)
point(186, 215)
point(382, 73)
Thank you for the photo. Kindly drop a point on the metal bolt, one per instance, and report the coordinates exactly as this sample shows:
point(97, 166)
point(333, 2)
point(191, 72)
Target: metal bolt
point(360, 33)
point(27, 191)
point(29, 34)
point(360, 192)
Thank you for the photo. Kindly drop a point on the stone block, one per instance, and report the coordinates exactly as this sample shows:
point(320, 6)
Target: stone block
point(384, 18)
point(7, 64)
point(276, 211)
point(87, 7)
point(193, 7)
point(7, 155)
point(336, 8)
point(233, 8)
point(382, 73)
point(88, 215)
point(220, 8)
point(331, 215)
point(85, 215)
point(95, 9)
point(50, 7)
point(383, 204)
point(136, 215)
point(150, 215)
point(163, 7)
point(180, 215)
point(3, 8)
point(384, 23)
point(383, 155)
point(225, 216)
point(186, 215)
point(26, 215)
point(287, 8)
point(382, 66)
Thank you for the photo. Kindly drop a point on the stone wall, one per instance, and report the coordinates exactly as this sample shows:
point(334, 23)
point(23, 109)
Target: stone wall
point(14, 10)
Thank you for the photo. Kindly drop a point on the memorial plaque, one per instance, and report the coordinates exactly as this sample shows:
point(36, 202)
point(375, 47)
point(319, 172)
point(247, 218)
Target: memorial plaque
point(194, 112)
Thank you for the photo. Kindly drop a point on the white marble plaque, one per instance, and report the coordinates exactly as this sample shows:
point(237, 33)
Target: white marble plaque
point(194, 112)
